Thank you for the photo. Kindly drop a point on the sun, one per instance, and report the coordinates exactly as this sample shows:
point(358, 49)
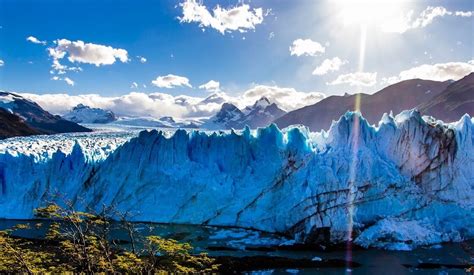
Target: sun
point(369, 12)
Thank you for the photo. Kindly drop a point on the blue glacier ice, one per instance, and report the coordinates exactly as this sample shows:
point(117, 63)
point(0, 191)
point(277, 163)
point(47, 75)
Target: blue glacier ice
point(405, 182)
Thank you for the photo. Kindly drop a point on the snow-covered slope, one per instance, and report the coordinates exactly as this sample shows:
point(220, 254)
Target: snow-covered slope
point(86, 114)
point(406, 183)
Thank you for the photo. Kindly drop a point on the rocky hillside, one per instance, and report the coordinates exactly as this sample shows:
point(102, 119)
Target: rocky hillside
point(35, 117)
point(396, 98)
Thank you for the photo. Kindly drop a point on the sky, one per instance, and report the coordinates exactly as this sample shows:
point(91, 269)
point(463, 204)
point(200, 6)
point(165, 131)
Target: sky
point(295, 52)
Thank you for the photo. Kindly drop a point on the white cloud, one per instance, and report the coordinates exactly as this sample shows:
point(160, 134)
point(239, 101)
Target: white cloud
point(78, 51)
point(464, 13)
point(58, 68)
point(437, 72)
point(356, 79)
point(68, 81)
point(428, 15)
point(89, 53)
point(35, 40)
point(239, 18)
point(306, 47)
point(170, 81)
point(134, 85)
point(2, 63)
point(425, 18)
point(329, 65)
point(211, 86)
point(142, 59)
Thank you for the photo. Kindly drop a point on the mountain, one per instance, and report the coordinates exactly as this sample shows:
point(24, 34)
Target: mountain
point(260, 114)
point(37, 118)
point(86, 114)
point(397, 97)
point(229, 116)
point(412, 187)
point(456, 100)
point(12, 125)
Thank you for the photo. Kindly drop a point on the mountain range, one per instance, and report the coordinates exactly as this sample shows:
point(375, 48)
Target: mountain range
point(446, 101)
point(396, 98)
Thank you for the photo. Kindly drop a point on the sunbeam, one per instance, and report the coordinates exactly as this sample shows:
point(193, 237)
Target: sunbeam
point(355, 148)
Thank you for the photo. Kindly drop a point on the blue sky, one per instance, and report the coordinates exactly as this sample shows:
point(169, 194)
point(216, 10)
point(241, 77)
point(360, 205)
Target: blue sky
point(238, 60)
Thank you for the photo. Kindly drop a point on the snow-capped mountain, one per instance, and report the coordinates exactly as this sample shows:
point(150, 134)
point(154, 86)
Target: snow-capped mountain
point(35, 117)
point(401, 96)
point(260, 114)
point(412, 186)
point(86, 114)
point(229, 116)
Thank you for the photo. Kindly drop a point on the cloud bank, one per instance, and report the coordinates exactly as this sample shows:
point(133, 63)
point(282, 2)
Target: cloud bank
point(356, 79)
point(437, 72)
point(160, 104)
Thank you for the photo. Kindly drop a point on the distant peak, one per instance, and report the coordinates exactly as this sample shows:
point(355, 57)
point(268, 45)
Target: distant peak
point(228, 106)
point(80, 106)
point(262, 102)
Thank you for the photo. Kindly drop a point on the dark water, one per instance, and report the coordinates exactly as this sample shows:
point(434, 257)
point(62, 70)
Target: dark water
point(239, 242)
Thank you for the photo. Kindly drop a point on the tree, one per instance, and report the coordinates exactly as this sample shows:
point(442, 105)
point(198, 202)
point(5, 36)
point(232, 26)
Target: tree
point(81, 242)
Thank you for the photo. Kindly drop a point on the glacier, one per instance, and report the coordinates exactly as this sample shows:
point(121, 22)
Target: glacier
point(406, 182)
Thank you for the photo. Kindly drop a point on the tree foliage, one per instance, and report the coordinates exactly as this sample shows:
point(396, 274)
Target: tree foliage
point(81, 242)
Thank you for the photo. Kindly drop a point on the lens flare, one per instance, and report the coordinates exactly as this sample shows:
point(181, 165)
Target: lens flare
point(355, 149)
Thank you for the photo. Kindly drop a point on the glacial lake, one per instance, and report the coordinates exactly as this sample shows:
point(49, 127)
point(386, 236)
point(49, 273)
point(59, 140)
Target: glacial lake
point(218, 241)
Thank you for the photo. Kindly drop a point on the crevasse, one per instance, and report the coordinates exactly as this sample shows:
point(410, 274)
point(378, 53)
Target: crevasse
point(408, 181)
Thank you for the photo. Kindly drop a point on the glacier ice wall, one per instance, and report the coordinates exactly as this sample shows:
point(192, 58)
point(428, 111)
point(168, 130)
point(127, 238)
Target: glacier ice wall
point(408, 181)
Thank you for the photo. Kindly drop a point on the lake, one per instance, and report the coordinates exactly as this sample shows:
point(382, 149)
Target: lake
point(236, 242)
